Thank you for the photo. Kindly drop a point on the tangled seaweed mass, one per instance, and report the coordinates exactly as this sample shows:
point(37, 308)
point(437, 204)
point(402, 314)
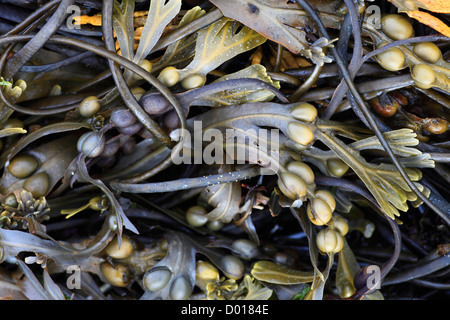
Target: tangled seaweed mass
point(224, 150)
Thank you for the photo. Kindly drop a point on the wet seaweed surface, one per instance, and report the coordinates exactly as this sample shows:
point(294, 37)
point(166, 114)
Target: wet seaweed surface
point(224, 150)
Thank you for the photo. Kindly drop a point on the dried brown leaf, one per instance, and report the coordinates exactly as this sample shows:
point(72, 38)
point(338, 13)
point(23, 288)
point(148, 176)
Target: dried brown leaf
point(280, 21)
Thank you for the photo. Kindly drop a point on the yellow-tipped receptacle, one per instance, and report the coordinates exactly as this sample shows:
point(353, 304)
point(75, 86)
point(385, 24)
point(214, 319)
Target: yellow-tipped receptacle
point(292, 186)
point(428, 51)
point(302, 170)
point(304, 112)
point(327, 197)
point(396, 27)
point(319, 212)
point(193, 81)
point(424, 76)
point(300, 133)
point(169, 76)
point(329, 241)
point(89, 106)
point(391, 59)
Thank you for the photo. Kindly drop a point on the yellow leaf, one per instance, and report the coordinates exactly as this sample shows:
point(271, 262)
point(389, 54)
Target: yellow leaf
point(441, 6)
point(430, 21)
point(10, 131)
point(221, 41)
point(271, 272)
point(159, 16)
